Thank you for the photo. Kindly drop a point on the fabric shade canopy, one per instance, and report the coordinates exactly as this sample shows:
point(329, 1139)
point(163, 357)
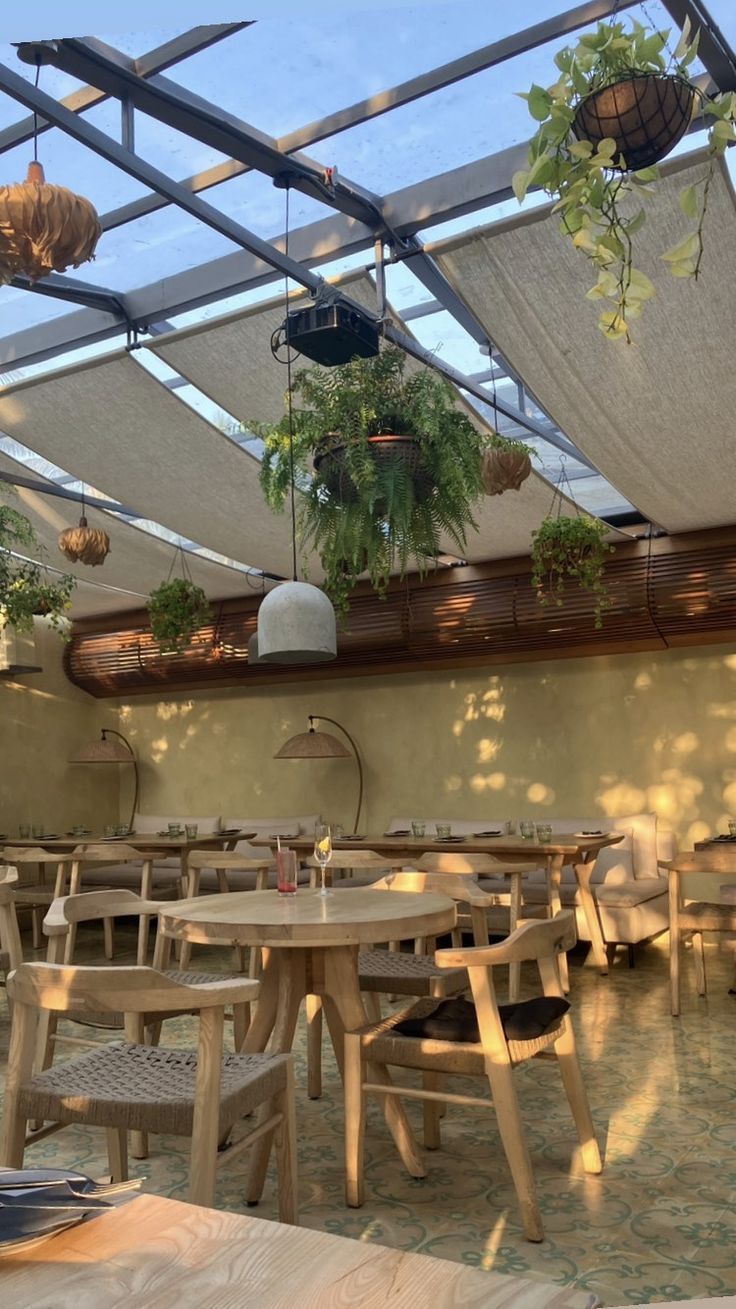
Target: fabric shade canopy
point(656, 417)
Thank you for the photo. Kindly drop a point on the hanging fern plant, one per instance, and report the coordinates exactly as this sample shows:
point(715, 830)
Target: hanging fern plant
point(388, 466)
point(570, 550)
point(27, 589)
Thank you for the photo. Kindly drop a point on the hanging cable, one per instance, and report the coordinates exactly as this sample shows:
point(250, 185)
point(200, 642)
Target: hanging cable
point(35, 113)
point(289, 400)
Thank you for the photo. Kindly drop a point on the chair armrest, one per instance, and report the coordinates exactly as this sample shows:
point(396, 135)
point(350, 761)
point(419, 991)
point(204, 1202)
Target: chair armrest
point(533, 939)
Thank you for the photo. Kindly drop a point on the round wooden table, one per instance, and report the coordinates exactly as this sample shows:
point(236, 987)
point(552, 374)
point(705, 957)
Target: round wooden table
point(310, 948)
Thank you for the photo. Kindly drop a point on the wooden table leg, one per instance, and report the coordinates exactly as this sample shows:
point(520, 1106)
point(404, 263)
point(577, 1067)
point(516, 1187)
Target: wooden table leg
point(286, 970)
point(674, 902)
point(554, 881)
point(514, 914)
point(345, 1011)
point(583, 872)
point(259, 1033)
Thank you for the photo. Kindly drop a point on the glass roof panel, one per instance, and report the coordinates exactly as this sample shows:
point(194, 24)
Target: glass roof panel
point(53, 82)
point(67, 162)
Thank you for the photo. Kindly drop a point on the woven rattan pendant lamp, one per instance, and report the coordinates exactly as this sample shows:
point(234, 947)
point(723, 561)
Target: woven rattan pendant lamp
point(84, 544)
point(43, 228)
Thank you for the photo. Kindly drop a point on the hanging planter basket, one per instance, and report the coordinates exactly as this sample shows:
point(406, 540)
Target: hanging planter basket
point(330, 463)
point(646, 114)
point(85, 545)
point(44, 228)
point(504, 470)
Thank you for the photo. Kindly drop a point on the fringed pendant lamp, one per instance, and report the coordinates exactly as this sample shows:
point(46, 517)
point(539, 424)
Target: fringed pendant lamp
point(43, 228)
point(296, 621)
point(84, 544)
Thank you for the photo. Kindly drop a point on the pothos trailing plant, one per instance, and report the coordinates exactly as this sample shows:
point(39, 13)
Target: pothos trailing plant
point(387, 464)
point(177, 608)
point(601, 205)
point(27, 589)
point(570, 549)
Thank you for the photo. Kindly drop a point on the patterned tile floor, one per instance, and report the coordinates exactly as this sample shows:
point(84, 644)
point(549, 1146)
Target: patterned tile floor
point(658, 1224)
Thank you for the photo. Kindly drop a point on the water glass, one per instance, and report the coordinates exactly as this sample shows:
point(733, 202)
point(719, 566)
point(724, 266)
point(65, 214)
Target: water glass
point(24, 831)
point(38, 830)
point(544, 833)
point(174, 829)
point(527, 830)
point(78, 830)
point(732, 827)
point(338, 831)
point(417, 828)
point(121, 829)
point(111, 829)
point(443, 830)
point(286, 867)
point(191, 830)
point(323, 852)
point(510, 827)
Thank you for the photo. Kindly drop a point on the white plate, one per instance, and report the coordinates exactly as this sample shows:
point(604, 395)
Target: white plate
point(586, 835)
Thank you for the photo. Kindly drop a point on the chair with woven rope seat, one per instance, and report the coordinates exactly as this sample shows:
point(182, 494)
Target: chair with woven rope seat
point(103, 859)
point(486, 1040)
point(694, 917)
point(38, 895)
point(129, 1087)
point(223, 871)
point(355, 868)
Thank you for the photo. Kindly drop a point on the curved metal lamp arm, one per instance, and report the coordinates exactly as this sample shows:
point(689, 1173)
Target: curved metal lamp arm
point(322, 719)
point(110, 731)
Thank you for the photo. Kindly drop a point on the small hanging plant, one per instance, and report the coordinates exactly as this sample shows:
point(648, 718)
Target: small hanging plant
point(27, 589)
point(177, 610)
point(619, 105)
point(570, 550)
point(505, 465)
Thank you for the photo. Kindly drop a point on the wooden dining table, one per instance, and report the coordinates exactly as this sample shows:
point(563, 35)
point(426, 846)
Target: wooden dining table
point(309, 945)
point(575, 849)
point(155, 1253)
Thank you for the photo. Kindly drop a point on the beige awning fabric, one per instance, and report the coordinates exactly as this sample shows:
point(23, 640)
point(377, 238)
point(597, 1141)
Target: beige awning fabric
point(112, 424)
point(656, 417)
point(137, 561)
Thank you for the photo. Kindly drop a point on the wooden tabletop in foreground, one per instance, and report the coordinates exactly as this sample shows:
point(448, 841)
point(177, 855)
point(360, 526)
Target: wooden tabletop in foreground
point(155, 1254)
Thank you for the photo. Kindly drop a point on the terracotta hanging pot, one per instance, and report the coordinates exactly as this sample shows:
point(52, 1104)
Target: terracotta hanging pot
point(85, 545)
point(646, 114)
point(504, 470)
point(44, 228)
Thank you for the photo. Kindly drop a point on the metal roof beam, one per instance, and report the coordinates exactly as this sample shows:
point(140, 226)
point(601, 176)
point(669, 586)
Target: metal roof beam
point(63, 493)
point(82, 293)
point(153, 61)
point(714, 51)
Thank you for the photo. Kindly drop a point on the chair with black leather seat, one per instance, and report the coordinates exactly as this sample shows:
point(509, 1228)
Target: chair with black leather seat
point(484, 1039)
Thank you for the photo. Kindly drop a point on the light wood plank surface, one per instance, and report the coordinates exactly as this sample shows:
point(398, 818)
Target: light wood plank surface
point(154, 1253)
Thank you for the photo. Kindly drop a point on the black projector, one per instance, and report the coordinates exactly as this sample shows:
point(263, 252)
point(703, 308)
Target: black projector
point(332, 334)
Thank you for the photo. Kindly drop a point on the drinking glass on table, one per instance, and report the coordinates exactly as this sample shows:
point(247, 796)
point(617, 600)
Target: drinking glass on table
point(24, 831)
point(511, 827)
point(527, 829)
point(544, 833)
point(417, 827)
point(286, 871)
point(323, 852)
point(191, 830)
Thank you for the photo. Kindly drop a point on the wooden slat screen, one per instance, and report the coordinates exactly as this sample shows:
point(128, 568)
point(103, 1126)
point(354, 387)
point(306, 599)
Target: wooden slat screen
point(681, 591)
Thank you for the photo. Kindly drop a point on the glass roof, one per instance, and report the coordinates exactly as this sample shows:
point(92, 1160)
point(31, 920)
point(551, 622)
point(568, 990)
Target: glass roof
point(278, 75)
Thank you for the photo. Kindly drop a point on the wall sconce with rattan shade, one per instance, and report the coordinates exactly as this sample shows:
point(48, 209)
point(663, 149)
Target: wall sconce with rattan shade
point(108, 751)
point(323, 745)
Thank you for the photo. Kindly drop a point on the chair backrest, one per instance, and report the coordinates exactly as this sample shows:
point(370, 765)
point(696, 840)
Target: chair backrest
point(9, 934)
point(91, 906)
point(229, 859)
point(363, 859)
point(110, 852)
point(33, 854)
point(137, 990)
point(716, 859)
point(535, 940)
point(462, 889)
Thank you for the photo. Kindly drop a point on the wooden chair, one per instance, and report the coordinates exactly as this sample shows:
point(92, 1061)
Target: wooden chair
point(494, 1056)
point(139, 1088)
point(694, 917)
point(97, 855)
point(223, 863)
point(38, 895)
point(354, 868)
point(10, 947)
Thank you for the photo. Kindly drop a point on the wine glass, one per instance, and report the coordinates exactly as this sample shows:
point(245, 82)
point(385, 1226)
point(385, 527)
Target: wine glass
point(323, 851)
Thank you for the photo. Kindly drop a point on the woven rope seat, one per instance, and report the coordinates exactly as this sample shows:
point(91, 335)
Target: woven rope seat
point(147, 1088)
point(382, 970)
point(410, 1052)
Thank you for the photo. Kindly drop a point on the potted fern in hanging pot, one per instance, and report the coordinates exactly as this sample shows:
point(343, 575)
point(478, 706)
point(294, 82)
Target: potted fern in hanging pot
point(28, 589)
point(177, 609)
point(570, 550)
point(619, 105)
point(388, 464)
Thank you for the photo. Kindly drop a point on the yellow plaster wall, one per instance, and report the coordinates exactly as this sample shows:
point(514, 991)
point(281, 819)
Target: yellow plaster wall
point(604, 736)
point(43, 719)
